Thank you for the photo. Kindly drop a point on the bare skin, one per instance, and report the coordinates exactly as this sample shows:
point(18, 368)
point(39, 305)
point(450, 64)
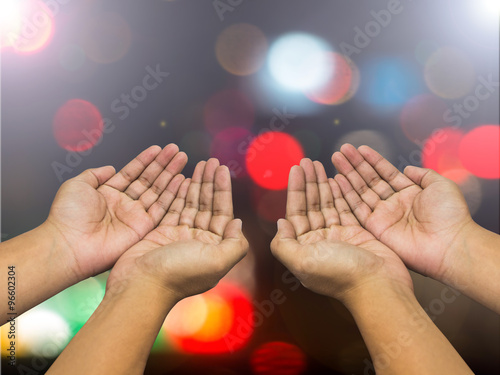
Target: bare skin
point(322, 242)
point(423, 217)
point(94, 219)
point(195, 244)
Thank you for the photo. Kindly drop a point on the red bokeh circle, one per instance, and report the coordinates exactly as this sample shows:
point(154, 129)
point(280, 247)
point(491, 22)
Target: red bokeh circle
point(278, 358)
point(479, 151)
point(270, 157)
point(440, 153)
point(78, 125)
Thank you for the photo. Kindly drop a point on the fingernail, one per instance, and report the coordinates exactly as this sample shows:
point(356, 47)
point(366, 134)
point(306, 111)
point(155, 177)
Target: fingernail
point(240, 224)
point(279, 224)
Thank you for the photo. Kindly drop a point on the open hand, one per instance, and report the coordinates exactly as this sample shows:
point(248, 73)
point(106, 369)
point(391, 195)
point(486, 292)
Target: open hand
point(99, 214)
point(197, 241)
point(322, 242)
point(420, 214)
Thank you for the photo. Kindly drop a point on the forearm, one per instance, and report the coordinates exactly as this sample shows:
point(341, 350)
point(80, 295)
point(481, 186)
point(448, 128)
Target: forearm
point(474, 267)
point(124, 327)
point(400, 337)
point(33, 268)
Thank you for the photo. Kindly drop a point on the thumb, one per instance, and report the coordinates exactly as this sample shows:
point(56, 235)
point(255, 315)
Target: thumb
point(97, 176)
point(423, 176)
point(234, 244)
point(285, 242)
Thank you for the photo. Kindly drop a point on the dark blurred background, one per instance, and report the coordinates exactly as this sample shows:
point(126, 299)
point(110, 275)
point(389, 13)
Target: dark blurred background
point(258, 84)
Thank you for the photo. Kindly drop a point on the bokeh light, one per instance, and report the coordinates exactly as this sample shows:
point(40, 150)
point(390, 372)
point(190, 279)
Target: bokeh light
point(270, 157)
point(228, 108)
point(10, 21)
point(72, 57)
point(77, 125)
point(194, 314)
point(422, 115)
point(270, 204)
point(77, 303)
point(476, 22)
point(108, 38)
point(278, 358)
point(218, 321)
point(342, 84)
point(440, 153)
point(389, 83)
point(479, 151)
point(241, 49)
point(229, 146)
point(26, 26)
point(41, 332)
point(297, 61)
point(424, 50)
point(449, 73)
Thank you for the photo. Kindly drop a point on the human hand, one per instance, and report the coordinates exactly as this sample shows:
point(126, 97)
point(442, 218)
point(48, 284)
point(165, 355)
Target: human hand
point(420, 214)
point(197, 241)
point(99, 214)
point(322, 243)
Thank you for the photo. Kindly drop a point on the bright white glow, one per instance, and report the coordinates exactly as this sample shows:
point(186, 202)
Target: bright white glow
point(9, 10)
point(43, 333)
point(297, 61)
point(10, 19)
point(492, 6)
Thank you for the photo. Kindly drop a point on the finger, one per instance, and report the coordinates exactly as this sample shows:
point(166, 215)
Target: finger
point(204, 215)
point(314, 214)
point(388, 172)
point(193, 196)
point(284, 245)
point(152, 171)
point(423, 176)
point(222, 211)
point(296, 206)
point(345, 214)
point(366, 171)
point(174, 167)
point(158, 210)
point(234, 245)
point(96, 177)
point(359, 208)
point(347, 162)
point(133, 170)
point(330, 214)
point(173, 214)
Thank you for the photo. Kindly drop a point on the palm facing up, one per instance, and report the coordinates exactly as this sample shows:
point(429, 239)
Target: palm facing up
point(322, 242)
point(100, 214)
point(197, 241)
point(418, 214)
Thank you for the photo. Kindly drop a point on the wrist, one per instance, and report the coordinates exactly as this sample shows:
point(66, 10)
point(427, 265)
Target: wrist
point(474, 264)
point(143, 290)
point(377, 291)
point(457, 263)
point(61, 257)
